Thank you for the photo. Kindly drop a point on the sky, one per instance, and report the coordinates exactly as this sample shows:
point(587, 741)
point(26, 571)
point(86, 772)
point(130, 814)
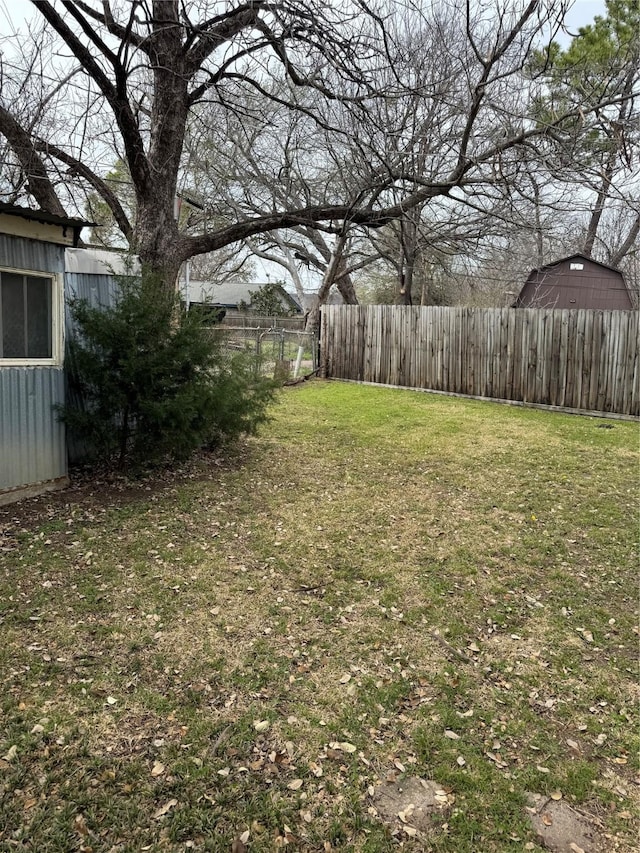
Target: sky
point(582, 13)
point(16, 11)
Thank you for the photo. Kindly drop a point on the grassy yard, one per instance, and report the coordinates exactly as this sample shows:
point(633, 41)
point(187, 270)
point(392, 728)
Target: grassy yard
point(383, 583)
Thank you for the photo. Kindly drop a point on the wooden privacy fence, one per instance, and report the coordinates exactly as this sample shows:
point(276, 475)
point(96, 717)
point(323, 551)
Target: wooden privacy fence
point(575, 359)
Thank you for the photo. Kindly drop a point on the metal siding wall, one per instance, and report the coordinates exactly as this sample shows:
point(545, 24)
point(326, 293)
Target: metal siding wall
point(97, 290)
point(24, 254)
point(32, 441)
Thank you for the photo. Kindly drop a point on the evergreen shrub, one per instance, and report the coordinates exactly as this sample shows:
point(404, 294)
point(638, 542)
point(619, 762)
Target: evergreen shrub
point(150, 382)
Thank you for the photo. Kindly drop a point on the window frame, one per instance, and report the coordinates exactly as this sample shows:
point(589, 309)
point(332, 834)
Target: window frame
point(57, 320)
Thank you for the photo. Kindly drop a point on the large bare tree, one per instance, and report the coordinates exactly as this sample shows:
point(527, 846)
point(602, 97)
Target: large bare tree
point(136, 73)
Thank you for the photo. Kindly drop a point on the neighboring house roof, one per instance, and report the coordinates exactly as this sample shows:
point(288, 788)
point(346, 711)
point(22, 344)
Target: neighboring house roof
point(576, 281)
point(310, 299)
point(230, 295)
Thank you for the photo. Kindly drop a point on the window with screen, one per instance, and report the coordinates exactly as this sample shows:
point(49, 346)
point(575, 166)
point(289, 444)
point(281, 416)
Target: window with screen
point(26, 316)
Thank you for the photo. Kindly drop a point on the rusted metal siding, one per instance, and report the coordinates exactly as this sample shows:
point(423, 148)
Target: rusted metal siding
point(575, 282)
point(32, 440)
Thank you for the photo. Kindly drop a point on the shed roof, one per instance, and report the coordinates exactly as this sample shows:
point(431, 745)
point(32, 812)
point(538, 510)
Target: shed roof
point(43, 216)
point(40, 226)
point(575, 281)
point(571, 258)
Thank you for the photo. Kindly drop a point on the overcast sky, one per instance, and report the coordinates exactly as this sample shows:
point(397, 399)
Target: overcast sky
point(14, 12)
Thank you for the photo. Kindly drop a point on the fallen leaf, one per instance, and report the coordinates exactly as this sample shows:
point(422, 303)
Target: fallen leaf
point(11, 754)
point(80, 825)
point(451, 735)
point(345, 746)
point(345, 678)
point(460, 761)
point(546, 819)
point(224, 772)
point(157, 769)
point(542, 769)
point(261, 725)
point(111, 700)
point(164, 809)
point(556, 795)
point(406, 813)
point(575, 849)
point(295, 785)
point(245, 836)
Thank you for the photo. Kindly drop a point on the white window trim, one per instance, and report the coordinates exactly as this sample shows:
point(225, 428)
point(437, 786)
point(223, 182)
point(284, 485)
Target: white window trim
point(57, 322)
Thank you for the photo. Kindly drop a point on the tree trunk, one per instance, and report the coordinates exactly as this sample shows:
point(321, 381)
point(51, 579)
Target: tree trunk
point(626, 245)
point(329, 278)
point(406, 265)
point(157, 243)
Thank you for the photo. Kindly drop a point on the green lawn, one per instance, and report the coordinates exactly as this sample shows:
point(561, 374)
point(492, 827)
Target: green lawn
point(381, 583)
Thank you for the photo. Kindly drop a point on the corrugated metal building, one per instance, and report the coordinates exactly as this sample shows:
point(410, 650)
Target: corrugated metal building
point(575, 282)
point(33, 456)
point(91, 274)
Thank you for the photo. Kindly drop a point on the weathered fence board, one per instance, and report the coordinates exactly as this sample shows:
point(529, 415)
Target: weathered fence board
point(574, 359)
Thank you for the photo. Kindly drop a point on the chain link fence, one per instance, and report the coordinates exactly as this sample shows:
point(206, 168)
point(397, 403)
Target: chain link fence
point(281, 353)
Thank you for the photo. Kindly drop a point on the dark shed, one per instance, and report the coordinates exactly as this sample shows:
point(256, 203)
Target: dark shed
point(575, 282)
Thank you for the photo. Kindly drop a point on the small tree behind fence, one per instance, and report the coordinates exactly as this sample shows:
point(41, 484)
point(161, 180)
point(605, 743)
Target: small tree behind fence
point(574, 359)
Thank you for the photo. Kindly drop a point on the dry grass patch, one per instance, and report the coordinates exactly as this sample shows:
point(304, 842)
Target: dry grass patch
point(388, 584)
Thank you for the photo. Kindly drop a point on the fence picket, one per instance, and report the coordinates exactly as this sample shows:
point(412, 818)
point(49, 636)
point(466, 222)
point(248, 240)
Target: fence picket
point(579, 359)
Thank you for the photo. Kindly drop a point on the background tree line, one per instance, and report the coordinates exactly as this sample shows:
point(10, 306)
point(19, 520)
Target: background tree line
point(402, 151)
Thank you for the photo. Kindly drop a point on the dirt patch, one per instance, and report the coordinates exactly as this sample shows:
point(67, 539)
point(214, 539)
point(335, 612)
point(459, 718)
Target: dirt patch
point(411, 805)
point(562, 829)
point(96, 490)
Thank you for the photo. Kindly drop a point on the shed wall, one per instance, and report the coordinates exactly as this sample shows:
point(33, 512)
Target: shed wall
point(32, 441)
point(24, 254)
point(31, 437)
point(558, 286)
point(98, 290)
